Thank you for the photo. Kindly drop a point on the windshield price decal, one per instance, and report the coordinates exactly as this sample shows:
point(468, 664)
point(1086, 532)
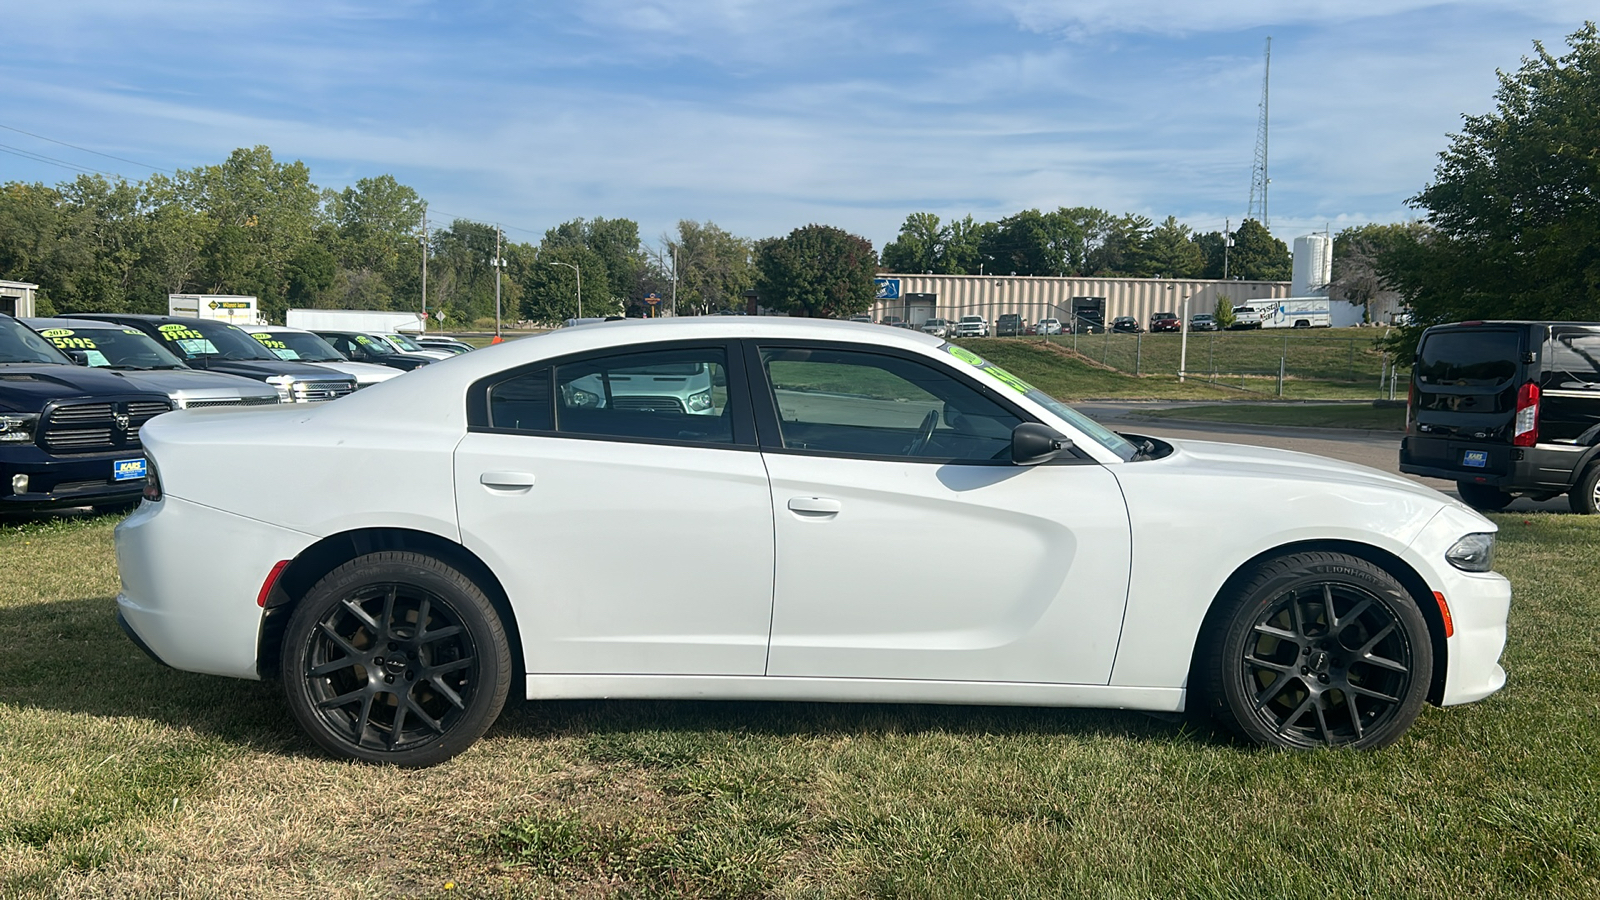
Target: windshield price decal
point(978, 362)
point(268, 341)
point(176, 332)
point(63, 338)
point(363, 339)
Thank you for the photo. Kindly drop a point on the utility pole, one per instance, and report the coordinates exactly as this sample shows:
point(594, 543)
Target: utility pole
point(424, 268)
point(674, 279)
point(1227, 242)
point(498, 265)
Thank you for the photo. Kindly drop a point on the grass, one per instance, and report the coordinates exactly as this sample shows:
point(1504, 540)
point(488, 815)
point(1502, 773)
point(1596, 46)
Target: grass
point(1362, 416)
point(126, 779)
point(1322, 354)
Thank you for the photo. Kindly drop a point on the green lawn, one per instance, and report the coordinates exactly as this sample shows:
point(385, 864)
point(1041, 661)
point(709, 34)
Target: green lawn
point(1307, 415)
point(126, 779)
point(1322, 354)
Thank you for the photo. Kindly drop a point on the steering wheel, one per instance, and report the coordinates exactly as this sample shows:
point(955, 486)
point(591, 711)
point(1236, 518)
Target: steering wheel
point(924, 433)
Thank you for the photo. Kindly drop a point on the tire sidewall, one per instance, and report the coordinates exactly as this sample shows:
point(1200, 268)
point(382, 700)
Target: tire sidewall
point(468, 604)
point(1301, 571)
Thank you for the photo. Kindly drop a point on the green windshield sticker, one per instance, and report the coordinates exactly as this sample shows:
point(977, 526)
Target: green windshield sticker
point(1010, 380)
point(73, 343)
point(965, 355)
point(363, 339)
point(131, 331)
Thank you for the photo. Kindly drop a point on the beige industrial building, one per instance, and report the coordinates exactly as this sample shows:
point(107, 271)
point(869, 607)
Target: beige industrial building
point(16, 298)
point(916, 298)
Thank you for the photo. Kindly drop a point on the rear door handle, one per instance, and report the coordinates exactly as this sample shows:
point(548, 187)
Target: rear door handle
point(506, 481)
point(815, 506)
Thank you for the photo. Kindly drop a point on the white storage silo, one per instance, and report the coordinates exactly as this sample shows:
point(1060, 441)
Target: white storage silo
point(1313, 266)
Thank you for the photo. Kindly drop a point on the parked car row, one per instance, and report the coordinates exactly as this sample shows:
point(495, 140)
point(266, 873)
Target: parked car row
point(75, 390)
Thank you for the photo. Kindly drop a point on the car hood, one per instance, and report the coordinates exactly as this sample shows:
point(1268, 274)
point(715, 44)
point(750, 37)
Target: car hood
point(27, 388)
point(364, 373)
point(260, 369)
point(1289, 465)
point(194, 383)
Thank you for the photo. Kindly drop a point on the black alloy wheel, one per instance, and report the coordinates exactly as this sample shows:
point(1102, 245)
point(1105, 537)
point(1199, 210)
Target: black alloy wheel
point(1318, 650)
point(395, 658)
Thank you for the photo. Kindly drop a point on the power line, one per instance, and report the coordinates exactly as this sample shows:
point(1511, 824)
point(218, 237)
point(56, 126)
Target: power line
point(87, 150)
point(38, 157)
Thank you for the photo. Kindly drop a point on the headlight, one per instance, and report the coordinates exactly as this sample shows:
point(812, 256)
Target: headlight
point(17, 427)
point(579, 398)
point(1473, 553)
point(284, 384)
point(700, 401)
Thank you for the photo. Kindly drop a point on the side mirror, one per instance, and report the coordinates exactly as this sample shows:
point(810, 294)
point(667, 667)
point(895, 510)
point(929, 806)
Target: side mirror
point(1032, 443)
point(78, 357)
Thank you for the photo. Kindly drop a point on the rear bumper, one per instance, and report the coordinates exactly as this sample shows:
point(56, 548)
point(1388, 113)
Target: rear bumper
point(1546, 467)
point(60, 482)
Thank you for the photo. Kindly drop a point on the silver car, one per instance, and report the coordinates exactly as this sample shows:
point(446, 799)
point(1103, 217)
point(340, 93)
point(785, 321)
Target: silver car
point(936, 327)
point(150, 366)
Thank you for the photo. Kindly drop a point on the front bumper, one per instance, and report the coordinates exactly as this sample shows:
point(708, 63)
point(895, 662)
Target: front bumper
point(1479, 603)
point(190, 578)
point(61, 482)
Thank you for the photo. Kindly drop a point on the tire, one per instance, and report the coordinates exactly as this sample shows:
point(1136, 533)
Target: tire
point(1584, 498)
point(1483, 496)
point(1278, 669)
point(365, 685)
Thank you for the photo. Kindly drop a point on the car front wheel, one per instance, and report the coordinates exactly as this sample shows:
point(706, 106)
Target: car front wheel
point(1316, 650)
point(395, 658)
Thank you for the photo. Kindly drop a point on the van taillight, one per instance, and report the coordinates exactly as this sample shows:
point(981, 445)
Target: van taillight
point(1411, 404)
point(1527, 433)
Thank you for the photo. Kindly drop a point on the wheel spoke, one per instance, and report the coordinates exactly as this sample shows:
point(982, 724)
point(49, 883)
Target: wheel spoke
point(1278, 633)
point(1267, 694)
point(366, 715)
point(1376, 695)
point(416, 711)
point(346, 646)
point(388, 611)
point(1322, 721)
point(423, 611)
point(1299, 711)
point(399, 722)
point(342, 699)
point(354, 609)
point(1355, 714)
point(328, 668)
point(1352, 615)
point(1295, 616)
point(1267, 664)
point(448, 692)
point(446, 632)
point(1384, 632)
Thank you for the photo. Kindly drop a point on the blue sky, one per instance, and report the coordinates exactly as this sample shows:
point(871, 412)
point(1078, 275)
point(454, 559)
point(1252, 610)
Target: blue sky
point(765, 116)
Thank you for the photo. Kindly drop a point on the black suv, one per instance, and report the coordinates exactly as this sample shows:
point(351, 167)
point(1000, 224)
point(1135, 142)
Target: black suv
point(69, 436)
point(1008, 325)
point(220, 347)
point(362, 347)
point(1507, 408)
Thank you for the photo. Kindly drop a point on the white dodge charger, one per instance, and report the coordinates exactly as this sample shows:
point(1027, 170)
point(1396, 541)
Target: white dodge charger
point(745, 508)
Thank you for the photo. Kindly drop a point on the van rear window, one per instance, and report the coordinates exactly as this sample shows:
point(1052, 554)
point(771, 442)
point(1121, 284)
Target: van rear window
point(1468, 357)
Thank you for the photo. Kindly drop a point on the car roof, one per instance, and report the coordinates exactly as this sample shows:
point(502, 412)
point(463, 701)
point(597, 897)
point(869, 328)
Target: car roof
point(38, 322)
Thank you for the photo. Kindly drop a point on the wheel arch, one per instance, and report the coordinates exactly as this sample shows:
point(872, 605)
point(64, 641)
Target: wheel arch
point(1401, 571)
point(327, 554)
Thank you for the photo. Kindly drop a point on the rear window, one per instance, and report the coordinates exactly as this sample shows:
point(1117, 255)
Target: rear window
point(1468, 358)
point(1572, 360)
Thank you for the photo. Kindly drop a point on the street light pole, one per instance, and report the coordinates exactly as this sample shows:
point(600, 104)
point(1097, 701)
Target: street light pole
point(498, 265)
point(1183, 353)
point(574, 267)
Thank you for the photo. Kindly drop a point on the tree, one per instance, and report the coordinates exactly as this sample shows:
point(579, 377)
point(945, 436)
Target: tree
point(1257, 255)
point(549, 286)
point(918, 248)
point(713, 266)
point(615, 242)
point(1028, 243)
point(1358, 253)
point(1212, 250)
point(1168, 249)
point(1514, 208)
point(817, 271)
point(1224, 313)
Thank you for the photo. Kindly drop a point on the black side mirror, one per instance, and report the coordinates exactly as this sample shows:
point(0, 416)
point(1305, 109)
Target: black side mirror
point(78, 357)
point(1032, 443)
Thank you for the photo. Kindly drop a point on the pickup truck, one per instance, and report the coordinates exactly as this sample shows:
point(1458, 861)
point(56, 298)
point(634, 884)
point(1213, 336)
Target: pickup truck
point(972, 326)
point(1245, 317)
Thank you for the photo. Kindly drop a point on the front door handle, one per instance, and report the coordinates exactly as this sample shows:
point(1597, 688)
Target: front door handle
point(506, 481)
point(815, 506)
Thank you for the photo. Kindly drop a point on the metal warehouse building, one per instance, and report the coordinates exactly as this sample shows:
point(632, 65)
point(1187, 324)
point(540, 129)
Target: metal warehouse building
point(917, 298)
point(16, 298)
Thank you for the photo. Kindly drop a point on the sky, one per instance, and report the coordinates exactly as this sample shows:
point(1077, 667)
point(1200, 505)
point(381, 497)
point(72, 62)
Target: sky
point(766, 115)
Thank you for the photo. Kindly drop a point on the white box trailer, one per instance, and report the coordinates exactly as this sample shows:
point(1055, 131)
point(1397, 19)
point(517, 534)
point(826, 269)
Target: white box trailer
point(1293, 312)
point(235, 309)
point(355, 320)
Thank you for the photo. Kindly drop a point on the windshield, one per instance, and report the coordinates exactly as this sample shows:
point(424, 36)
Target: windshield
point(199, 339)
point(403, 342)
point(114, 347)
point(972, 318)
point(1091, 429)
point(298, 345)
point(1468, 357)
point(18, 344)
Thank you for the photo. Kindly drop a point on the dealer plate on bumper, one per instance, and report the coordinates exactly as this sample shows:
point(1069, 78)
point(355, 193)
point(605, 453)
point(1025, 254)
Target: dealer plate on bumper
point(127, 469)
point(1475, 459)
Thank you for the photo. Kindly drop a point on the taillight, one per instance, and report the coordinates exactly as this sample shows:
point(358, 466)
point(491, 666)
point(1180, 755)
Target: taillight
point(1527, 433)
point(152, 481)
point(1411, 404)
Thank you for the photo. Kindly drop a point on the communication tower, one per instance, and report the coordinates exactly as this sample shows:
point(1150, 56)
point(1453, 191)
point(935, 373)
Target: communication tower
point(1258, 174)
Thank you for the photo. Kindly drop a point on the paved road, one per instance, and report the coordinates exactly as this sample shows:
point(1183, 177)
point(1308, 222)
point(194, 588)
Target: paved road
point(1380, 450)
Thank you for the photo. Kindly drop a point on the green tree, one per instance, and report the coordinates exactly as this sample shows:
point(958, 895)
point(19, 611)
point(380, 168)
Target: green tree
point(713, 267)
point(817, 271)
point(918, 248)
point(1358, 254)
point(1028, 243)
point(1514, 208)
point(549, 287)
point(1169, 249)
point(1257, 255)
point(1224, 313)
point(615, 242)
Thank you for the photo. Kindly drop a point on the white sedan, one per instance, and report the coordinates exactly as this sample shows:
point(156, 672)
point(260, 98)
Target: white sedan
point(742, 508)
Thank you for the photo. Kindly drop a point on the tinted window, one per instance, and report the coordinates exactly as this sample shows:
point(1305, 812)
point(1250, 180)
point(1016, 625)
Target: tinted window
point(1468, 358)
point(19, 345)
point(522, 402)
point(1572, 360)
point(114, 347)
point(670, 395)
point(867, 404)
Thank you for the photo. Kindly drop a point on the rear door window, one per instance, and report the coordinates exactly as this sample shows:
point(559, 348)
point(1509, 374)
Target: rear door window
point(1572, 361)
point(1469, 358)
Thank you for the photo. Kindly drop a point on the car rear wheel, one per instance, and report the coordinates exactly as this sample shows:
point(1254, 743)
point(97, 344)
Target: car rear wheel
point(1584, 498)
point(395, 658)
point(1316, 650)
point(1483, 496)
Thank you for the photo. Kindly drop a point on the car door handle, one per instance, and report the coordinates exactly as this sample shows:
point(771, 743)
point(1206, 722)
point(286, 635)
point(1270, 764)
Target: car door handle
point(506, 481)
point(814, 506)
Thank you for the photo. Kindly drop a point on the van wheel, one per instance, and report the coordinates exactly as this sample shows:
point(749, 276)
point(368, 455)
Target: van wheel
point(1584, 498)
point(1316, 650)
point(1483, 496)
point(395, 658)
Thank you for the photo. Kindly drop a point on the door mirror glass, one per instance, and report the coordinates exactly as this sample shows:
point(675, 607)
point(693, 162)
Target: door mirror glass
point(1032, 443)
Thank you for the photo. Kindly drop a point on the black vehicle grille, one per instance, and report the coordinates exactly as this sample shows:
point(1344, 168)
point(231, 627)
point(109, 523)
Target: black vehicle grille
point(96, 427)
point(231, 401)
point(648, 404)
point(315, 391)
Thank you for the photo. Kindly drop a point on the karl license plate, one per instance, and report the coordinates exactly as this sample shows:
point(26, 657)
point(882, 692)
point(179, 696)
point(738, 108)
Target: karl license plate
point(1476, 459)
point(127, 469)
